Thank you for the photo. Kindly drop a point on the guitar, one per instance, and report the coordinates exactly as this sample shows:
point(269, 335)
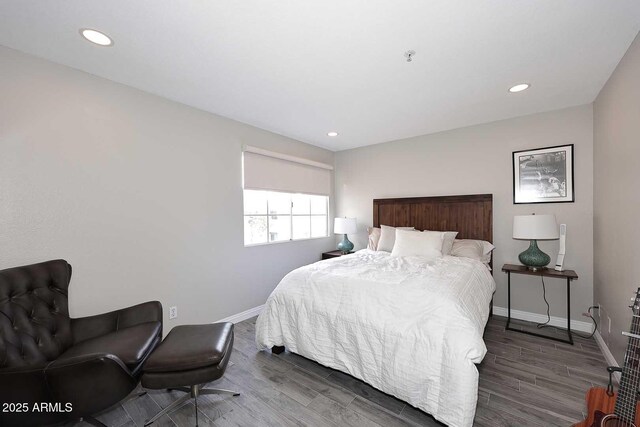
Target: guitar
point(621, 409)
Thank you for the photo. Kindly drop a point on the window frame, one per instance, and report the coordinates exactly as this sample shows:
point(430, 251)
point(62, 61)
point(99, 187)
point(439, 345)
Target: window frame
point(291, 215)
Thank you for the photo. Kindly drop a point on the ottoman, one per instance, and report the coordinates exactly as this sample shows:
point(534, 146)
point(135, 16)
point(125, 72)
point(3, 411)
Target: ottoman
point(189, 357)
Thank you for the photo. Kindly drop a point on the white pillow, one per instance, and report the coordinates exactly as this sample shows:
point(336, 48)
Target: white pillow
point(426, 244)
point(388, 237)
point(374, 238)
point(447, 242)
point(475, 249)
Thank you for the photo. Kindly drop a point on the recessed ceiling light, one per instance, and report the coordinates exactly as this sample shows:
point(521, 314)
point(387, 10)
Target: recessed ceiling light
point(519, 87)
point(332, 133)
point(96, 37)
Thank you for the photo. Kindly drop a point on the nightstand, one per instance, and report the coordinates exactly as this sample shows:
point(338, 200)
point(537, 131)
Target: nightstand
point(567, 275)
point(333, 254)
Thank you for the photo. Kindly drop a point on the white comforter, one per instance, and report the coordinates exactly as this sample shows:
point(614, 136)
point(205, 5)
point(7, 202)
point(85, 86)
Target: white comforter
point(410, 328)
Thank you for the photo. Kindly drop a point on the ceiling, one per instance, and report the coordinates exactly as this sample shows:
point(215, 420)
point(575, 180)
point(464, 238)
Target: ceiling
point(302, 68)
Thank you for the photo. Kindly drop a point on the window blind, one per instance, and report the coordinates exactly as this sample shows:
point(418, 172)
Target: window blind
point(265, 170)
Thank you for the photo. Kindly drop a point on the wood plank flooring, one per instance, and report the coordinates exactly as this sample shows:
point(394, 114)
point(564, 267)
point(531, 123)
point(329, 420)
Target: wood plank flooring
point(524, 381)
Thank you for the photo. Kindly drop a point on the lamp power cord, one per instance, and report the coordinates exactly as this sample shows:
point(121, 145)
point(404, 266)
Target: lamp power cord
point(587, 314)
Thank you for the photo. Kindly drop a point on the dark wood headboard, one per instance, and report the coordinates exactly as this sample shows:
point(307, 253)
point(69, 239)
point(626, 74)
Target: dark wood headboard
point(471, 216)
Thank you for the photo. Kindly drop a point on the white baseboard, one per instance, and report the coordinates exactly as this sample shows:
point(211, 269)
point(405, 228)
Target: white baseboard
point(560, 322)
point(608, 356)
point(247, 314)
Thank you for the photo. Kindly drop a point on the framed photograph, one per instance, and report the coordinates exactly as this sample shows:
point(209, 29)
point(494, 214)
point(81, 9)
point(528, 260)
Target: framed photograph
point(543, 175)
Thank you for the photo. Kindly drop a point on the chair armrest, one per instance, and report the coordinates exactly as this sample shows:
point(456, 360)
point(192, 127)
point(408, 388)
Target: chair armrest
point(84, 328)
point(89, 383)
point(150, 311)
point(60, 365)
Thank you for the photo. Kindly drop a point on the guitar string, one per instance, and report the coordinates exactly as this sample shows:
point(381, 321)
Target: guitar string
point(627, 393)
point(620, 408)
point(625, 397)
point(630, 391)
point(633, 396)
point(630, 374)
point(633, 378)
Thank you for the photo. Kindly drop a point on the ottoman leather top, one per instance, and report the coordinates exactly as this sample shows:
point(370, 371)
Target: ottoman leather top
point(191, 347)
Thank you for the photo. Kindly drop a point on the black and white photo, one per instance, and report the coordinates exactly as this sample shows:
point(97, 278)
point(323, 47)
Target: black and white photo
point(543, 175)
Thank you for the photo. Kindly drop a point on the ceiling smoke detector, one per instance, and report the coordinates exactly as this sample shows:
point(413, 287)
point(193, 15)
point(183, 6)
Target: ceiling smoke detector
point(409, 55)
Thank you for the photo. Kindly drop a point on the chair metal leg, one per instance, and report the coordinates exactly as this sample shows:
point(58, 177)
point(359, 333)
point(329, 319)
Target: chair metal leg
point(218, 391)
point(175, 405)
point(195, 402)
point(191, 392)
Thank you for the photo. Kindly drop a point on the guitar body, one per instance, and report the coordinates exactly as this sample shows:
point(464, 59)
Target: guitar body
point(599, 407)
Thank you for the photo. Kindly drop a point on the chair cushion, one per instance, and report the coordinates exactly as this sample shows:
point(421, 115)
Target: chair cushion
point(130, 345)
point(191, 347)
point(34, 318)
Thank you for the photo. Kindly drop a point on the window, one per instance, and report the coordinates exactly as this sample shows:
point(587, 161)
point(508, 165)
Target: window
point(271, 216)
point(285, 197)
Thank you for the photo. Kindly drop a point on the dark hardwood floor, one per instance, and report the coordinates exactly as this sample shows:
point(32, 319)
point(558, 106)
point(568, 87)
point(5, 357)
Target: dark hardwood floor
point(524, 381)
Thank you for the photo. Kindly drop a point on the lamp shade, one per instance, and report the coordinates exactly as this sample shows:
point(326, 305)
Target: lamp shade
point(344, 226)
point(535, 227)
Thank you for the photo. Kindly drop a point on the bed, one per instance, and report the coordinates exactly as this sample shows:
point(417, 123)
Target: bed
point(408, 327)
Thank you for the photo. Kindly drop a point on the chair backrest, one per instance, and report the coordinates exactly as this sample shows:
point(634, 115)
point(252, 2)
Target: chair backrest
point(35, 327)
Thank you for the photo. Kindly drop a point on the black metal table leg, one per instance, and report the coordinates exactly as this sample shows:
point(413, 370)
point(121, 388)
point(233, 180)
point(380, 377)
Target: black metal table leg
point(509, 328)
point(508, 298)
point(569, 311)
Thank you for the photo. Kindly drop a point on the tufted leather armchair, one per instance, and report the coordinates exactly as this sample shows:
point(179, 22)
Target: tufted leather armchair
point(46, 357)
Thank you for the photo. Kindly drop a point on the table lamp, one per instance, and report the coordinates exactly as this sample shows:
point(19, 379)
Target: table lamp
point(345, 226)
point(535, 227)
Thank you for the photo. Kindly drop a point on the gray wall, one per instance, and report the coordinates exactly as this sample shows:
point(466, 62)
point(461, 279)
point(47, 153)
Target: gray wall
point(143, 196)
point(476, 160)
point(617, 198)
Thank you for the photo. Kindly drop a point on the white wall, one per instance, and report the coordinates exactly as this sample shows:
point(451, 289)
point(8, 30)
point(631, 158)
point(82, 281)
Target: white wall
point(476, 160)
point(617, 198)
point(140, 194)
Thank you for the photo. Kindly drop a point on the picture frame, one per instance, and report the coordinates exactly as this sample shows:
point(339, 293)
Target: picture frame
point(544, 175)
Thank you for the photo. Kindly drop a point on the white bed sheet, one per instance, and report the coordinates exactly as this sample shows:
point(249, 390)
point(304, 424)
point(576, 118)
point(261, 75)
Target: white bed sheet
point(407, 327)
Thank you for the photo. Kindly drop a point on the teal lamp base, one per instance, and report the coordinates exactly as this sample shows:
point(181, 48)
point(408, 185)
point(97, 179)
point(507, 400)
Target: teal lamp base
point(346, 246)
point(534, 258)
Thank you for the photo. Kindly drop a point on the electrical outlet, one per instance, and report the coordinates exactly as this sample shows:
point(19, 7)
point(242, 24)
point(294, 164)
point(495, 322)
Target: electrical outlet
point(173, 312)
point(609, 324)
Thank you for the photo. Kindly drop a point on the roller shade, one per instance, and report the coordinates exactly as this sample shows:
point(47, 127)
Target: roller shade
point(277, 172)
